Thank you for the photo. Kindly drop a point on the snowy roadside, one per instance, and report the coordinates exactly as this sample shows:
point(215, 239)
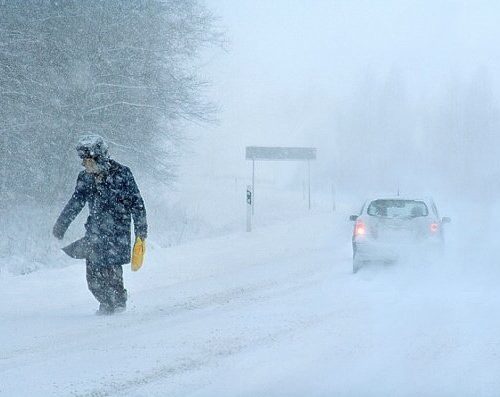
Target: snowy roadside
point(51, 331)
point(274, 312)
point(200, 209)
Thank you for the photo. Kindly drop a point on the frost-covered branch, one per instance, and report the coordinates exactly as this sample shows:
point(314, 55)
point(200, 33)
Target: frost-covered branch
point(122, 69)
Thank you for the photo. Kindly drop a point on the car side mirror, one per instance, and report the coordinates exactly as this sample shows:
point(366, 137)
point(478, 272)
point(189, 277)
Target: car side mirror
point(446, 220)
point(353, 218)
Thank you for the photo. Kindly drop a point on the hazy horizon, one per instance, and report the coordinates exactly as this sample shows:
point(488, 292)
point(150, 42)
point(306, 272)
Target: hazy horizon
point(406, 90)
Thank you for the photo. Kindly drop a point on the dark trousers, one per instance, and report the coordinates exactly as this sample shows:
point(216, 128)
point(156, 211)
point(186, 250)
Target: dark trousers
point(106, 284)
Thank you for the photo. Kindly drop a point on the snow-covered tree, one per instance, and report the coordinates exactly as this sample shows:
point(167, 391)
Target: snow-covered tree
point(123, 69)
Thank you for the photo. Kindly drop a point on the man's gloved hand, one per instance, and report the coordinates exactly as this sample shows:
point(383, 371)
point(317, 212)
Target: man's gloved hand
point(58, 232)
point(138, 253)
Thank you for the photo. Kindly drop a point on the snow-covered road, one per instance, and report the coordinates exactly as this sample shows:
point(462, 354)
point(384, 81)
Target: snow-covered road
point(271, 313)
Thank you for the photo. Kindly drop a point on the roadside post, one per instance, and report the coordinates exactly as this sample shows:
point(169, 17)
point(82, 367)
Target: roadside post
point(249, 208)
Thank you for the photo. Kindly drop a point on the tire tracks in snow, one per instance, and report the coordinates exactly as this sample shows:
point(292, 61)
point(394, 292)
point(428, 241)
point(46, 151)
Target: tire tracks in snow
point(220, 349)
point(59, 345)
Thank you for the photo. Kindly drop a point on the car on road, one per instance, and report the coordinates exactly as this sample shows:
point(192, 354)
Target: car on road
point(387, 229)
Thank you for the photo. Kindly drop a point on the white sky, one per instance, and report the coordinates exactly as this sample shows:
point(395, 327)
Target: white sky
point(290, 64)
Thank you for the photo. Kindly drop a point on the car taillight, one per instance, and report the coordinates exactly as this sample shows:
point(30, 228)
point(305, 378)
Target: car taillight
point(434, 227)
point(359, 229)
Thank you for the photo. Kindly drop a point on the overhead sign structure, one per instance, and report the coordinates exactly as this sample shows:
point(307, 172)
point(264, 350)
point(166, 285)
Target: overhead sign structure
point(266, 153)
point(280, 153)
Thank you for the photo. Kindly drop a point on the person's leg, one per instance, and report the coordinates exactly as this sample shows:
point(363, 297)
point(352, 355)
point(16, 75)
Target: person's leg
point(117, 292)
point(98, 283)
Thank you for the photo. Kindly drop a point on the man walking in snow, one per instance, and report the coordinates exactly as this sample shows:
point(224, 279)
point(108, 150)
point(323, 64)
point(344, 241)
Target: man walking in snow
point(110, 190)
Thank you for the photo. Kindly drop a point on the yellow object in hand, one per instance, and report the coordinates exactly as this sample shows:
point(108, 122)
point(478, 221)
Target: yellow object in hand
point(138, 254)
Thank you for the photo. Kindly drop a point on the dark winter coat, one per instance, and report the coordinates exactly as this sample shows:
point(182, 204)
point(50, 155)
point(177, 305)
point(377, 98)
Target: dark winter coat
point(113, 200)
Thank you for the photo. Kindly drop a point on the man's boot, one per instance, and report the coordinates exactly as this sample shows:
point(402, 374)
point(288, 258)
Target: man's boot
point(104, 310)
point(120, 308)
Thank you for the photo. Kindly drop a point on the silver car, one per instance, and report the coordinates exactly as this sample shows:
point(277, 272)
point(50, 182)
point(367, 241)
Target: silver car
point(387, 229)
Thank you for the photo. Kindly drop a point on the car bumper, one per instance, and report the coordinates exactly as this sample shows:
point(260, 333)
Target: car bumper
point(380, 251)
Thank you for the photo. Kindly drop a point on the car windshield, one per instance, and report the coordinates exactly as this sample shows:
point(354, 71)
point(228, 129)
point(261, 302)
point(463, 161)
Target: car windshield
point(397, 208)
